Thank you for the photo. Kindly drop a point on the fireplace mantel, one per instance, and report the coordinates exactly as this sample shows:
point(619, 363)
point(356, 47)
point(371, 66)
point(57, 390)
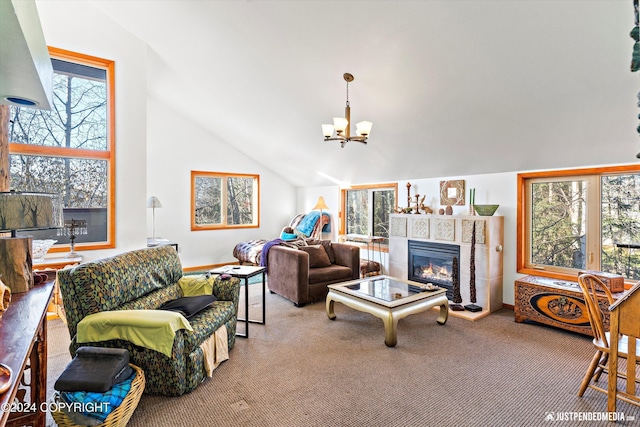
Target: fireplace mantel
point(455, 230)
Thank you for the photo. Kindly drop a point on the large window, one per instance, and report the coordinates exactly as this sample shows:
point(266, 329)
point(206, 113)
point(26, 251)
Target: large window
point(366, 209)
point(575, 220)
point(70, 150)
point(224, 200)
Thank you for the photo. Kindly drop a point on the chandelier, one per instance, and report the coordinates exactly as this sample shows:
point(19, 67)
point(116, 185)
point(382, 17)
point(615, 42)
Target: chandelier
point(342, 125)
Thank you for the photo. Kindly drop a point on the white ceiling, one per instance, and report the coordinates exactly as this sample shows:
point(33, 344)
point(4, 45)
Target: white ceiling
point(452, 87)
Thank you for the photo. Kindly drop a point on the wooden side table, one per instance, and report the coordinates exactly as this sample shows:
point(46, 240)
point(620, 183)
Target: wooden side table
point(54, 264)
point(23, 348)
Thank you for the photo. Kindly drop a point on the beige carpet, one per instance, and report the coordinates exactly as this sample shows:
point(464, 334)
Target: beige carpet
point(302, 369)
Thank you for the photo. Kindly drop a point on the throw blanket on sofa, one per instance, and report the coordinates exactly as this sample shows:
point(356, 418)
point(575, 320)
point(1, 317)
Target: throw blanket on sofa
point(308, 222)
point(153, 329)
point(265, 251)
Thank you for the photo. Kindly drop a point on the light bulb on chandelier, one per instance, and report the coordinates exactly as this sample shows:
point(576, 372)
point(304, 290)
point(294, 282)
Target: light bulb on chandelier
point(341, 125)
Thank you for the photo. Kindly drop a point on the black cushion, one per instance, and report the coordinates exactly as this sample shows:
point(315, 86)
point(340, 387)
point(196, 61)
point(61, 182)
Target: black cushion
point(189, 306)
point(95, 369)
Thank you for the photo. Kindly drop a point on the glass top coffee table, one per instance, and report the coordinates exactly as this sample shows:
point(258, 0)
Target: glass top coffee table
point(388, 298)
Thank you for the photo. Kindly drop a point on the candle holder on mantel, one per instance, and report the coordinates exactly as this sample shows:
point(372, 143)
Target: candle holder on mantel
point(472, 200)
point(73, 228)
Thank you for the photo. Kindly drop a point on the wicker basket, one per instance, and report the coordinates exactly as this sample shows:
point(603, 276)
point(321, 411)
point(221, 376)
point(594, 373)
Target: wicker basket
point(121, 415)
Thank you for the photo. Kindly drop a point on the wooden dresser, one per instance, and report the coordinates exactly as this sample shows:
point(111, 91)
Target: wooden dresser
point(556, 303)
point(23, 348)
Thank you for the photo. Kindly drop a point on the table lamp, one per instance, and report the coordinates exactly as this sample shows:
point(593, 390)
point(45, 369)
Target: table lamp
point(320, 206)
point(153, 202)
point(23, 211)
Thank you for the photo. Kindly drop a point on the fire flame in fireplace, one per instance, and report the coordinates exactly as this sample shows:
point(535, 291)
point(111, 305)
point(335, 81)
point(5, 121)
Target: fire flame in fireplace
point(435, 272)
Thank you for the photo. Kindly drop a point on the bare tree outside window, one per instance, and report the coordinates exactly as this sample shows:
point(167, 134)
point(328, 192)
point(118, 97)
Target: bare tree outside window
point(621, 224)
point(581, 219)
point(383, 205)
point(240, 206)
point(558, 224)
point(208, 196)
point(73, 154)
point(223, 200)
point(368, 209)
point(357, 212)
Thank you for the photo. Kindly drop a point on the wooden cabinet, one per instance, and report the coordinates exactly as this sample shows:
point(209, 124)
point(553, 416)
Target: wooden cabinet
point(556, 303)
point(23, 348)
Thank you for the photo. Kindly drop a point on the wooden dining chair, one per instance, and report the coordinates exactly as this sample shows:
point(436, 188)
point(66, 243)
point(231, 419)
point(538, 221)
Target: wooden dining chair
point(594, 290)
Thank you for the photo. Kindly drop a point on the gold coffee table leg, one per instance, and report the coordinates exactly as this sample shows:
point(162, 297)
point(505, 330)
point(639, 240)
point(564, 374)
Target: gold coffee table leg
point(390, 330)
point(329, 305)
point(444, 314)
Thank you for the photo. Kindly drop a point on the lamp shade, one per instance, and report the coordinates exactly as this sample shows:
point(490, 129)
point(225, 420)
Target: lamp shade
point(364, 128)
point(153, 202)
point(327, 131)
point(29, 211)
point(340, 123)
point(321, 205)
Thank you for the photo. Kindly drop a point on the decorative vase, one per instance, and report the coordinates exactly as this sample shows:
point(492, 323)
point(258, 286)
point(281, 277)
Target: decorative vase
point(5, 297)
point(449, 210)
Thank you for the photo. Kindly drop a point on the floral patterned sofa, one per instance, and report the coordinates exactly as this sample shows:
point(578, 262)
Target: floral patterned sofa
point(145, 279)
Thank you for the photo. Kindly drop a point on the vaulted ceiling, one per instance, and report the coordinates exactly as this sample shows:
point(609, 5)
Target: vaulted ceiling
point(452, 87)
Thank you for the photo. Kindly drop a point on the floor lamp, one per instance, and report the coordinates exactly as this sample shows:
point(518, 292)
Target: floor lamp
point(321, 205)
point(153, 202)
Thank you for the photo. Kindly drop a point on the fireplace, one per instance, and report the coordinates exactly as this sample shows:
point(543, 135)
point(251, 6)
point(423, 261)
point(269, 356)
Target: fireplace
point(431, 262)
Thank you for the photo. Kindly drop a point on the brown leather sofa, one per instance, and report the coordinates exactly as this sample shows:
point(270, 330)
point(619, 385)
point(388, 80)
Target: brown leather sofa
point(291, 276)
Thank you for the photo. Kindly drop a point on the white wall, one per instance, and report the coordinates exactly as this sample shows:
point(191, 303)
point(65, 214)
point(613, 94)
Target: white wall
point(78, 27)
point(156, 149)
point(176, 147)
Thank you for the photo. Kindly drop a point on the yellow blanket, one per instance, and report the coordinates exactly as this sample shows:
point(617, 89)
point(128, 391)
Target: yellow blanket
point(215, 350)
point(153, 329)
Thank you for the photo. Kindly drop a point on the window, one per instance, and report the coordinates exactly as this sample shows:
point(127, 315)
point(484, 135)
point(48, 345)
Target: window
point(575, 220)
point(365, 209)
point(70, 150)
point(224, 200)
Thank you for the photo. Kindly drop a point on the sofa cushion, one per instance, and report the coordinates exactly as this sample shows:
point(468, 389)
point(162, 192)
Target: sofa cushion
point(201, 284)
point(205, 323)
point(317, 256)
point(109, 283)
point(189, 306)
point(334, 273)
point(326, 244)
point(153, 300)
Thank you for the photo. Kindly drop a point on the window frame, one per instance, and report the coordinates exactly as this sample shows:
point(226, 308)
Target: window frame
point(223, 225)
point(593, 223)
point(370, 188)
point(108, 155)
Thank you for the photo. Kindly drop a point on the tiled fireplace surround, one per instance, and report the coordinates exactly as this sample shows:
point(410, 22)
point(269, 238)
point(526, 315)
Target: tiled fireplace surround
point(455, 230)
